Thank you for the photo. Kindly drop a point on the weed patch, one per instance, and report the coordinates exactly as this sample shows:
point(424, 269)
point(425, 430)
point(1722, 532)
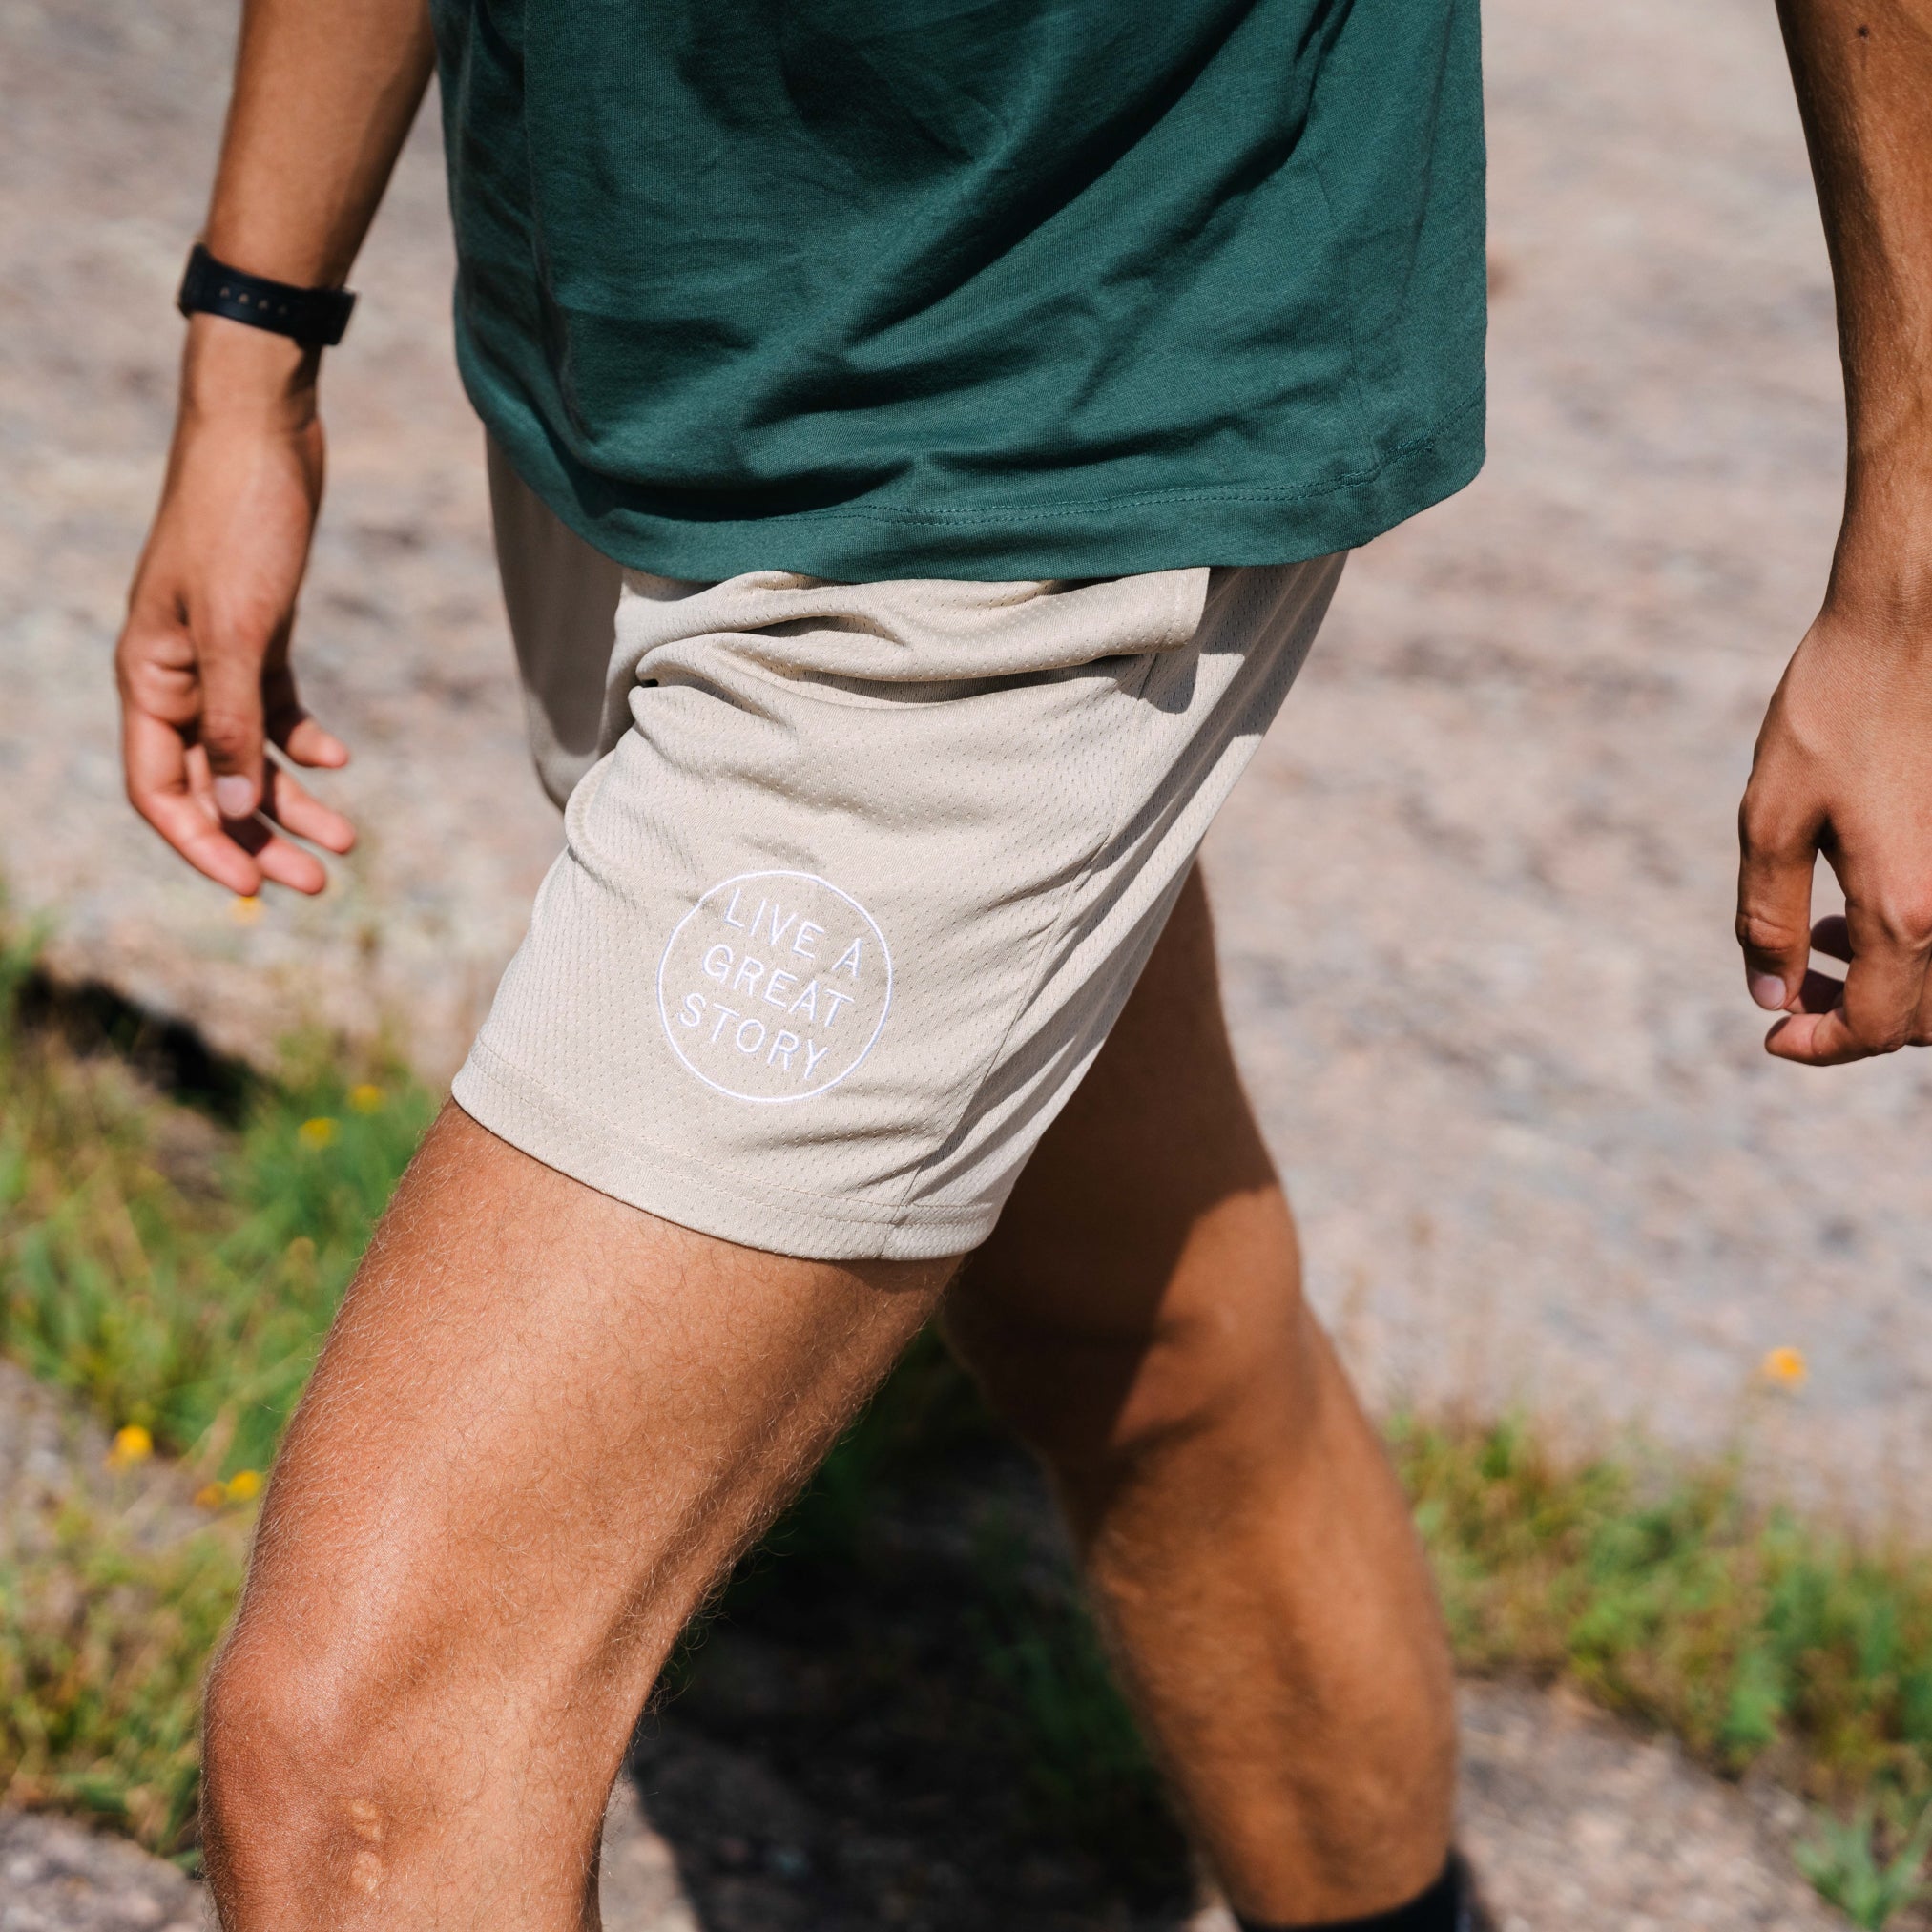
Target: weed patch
point(175, 1275)
point(103, 1645)
point(1663, 1594)
point(1870, 1886)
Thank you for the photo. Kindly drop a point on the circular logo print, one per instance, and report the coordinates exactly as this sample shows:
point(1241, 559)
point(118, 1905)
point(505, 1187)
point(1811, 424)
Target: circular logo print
point(774, 986)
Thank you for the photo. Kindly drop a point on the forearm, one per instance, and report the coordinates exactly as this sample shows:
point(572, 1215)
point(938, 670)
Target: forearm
point(324, 97)
point(324, 93)
point(1864, 73)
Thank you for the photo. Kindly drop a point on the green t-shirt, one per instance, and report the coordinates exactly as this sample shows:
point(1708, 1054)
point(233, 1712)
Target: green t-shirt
point(971, 288)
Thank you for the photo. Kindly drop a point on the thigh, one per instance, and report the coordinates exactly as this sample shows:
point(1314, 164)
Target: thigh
point(1158, 1134)
point(1147, 1255)
point(542, 1424)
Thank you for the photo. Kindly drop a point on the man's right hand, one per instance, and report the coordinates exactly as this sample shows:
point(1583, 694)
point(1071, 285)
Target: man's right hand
point(202, 662)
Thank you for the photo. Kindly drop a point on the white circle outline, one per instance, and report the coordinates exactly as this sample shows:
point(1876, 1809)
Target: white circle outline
point(772, 1099)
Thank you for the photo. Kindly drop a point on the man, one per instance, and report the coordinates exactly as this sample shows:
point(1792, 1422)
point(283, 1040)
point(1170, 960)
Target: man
point(924, 436)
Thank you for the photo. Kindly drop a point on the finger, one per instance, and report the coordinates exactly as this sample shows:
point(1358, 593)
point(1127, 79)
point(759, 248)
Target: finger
point(1921, 1025)
point(1812, 1040)
point(160, 789)
point(1776, 855)
point(241, 854)
point(1819, 993)
point(288, 865)
point(281, 860)
point(298, 811)
point(1833, 937)
point(308, 743)
point(290, 726)
point(231, 722)
point(1883, 993)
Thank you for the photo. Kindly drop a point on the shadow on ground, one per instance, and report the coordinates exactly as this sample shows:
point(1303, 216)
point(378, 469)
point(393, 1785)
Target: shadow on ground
point(898, 1715)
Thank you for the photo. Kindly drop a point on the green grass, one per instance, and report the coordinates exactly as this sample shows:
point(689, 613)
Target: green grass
point(1664, 1596)
point(102, 1649)
point(176, 1275)
point(176, 1270)
point(1843, 1860)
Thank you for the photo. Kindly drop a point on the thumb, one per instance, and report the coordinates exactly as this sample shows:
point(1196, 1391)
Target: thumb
point(1778, 854)
point(231, 723)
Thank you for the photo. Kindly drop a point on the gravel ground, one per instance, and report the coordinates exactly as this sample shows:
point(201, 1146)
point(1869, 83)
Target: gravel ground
point(1574, 1822)
point(56, 1878)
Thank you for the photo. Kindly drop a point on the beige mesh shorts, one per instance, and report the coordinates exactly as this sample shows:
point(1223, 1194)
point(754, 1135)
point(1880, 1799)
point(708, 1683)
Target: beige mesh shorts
point(856, 877)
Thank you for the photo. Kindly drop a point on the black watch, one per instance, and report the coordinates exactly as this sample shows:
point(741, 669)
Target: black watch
point(315, 317)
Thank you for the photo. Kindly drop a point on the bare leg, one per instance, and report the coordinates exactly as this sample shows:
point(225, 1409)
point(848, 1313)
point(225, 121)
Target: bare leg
point(1137, 1314)
point(544, 1425)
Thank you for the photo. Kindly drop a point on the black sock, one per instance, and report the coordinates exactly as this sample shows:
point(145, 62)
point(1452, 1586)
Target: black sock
point(1439, 1909)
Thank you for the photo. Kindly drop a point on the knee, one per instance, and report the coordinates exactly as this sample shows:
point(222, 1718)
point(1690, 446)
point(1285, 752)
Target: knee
point(291, 1805)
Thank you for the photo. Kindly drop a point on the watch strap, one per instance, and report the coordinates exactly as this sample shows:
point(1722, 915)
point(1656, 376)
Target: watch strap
point(315, 317)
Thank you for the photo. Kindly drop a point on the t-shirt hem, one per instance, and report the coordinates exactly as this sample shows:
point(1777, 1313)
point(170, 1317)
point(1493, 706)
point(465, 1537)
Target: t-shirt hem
point(1179, 526)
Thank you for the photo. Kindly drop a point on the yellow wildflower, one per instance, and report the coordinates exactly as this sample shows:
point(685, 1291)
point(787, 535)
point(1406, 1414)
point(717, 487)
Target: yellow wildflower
point(245, 1485)
point(210, 1495)
point(244, 911)
point(316, 1133)
point(1785, 1368)
point(365, 1098)
point(132, 1444)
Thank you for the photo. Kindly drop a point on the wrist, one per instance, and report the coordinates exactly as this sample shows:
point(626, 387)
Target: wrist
point(1882, 568)
point(230, 370)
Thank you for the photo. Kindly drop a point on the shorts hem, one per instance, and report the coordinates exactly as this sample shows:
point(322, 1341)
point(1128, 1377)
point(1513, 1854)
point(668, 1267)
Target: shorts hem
point(516, 1106)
